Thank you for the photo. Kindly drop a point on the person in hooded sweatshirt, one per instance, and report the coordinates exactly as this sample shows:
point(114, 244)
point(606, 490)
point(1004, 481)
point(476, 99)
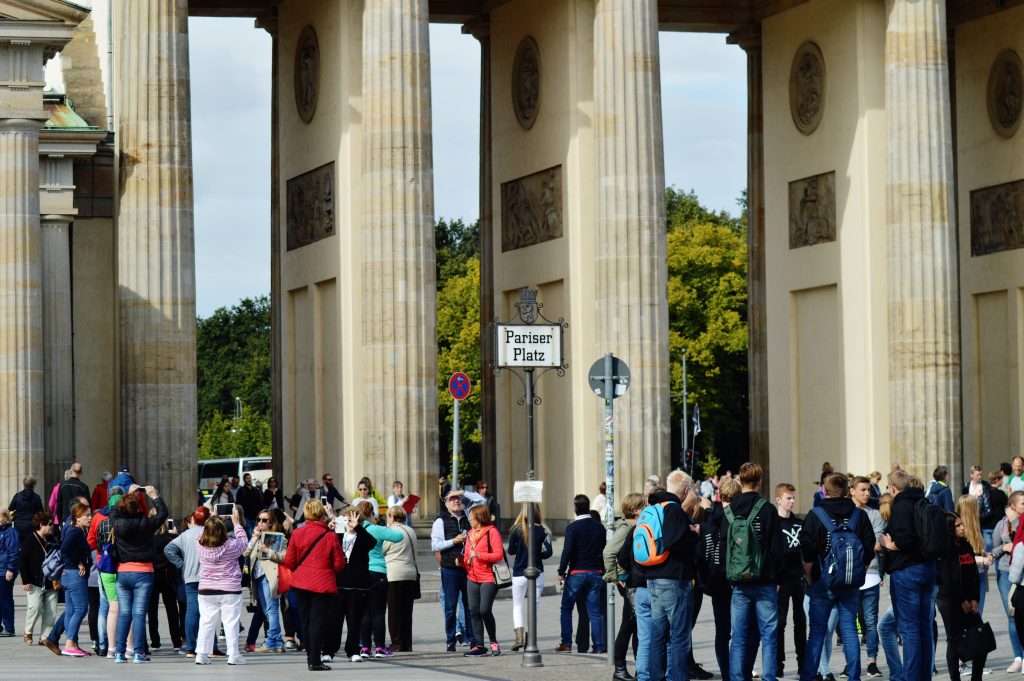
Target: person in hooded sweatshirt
point(815, 542)
point(959, 591)
point(939, 492)
point(754, 598)
point(911, 577)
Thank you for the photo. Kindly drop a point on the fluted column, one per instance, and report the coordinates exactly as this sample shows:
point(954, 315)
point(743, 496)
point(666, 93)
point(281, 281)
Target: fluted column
point(924, 341)
point(156, 255)
point(58, 378)
point(21, 305)
point(399, 310)
point(632, 310)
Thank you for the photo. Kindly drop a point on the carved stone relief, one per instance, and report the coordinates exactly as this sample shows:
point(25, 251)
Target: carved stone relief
point(531, 209)
point(526, 83)
point(310, 206)
point(807, 87)
point(307, 74)
point(1006, 93)
point(997, 218)
point(812, 210)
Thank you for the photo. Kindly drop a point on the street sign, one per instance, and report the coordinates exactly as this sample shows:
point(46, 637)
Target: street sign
point(459, 386)
point(620, 377)
point(529, 345)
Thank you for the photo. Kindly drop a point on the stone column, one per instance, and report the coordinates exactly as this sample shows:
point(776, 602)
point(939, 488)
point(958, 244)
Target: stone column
point(924, 333)
point(757, 322)
point(156, 255)
point(399, 310)
point(21, 305)
point(58, 366)
point(632, 309)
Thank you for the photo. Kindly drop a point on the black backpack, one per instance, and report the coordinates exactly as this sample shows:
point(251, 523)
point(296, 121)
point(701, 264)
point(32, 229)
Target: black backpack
point(711, 566)
point(931, 529)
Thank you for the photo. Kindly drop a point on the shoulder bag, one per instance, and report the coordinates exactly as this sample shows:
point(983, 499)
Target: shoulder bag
point(502, 575)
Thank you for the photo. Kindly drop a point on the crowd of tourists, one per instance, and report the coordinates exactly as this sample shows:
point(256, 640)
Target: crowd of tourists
point(314, 565)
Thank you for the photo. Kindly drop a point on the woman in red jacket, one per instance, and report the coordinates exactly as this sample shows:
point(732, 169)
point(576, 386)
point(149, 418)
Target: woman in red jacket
point(314, 556)
point(483, 549)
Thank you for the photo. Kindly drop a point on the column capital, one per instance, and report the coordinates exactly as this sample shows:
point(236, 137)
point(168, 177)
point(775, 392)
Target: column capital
point(56, 219)
point(748, 38)
point(268, 22)
point(478, 28)
point(22, 124)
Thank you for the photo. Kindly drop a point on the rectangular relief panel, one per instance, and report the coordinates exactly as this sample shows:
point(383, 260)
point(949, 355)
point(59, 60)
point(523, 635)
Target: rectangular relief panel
point(310, 206)
point(531, 209)
point(812, 210)
point(997, 218)
point(994, 404)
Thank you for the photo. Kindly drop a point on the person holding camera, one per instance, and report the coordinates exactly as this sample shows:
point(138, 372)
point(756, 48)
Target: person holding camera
point(447, 536)
point(220, 586)
point(263, 575)
point(350, 603)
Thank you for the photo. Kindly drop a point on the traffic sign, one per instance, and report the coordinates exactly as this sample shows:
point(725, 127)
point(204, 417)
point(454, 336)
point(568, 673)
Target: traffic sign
point(620, 377)
point(459, 386)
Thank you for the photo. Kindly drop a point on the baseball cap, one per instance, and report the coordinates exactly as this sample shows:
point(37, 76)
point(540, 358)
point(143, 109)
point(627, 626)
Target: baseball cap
point(122, 469)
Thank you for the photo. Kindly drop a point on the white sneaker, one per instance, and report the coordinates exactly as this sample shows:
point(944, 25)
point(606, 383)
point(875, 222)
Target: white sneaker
point(356, 658)
point(1014, 666)
point(237, 660)
point(326, 658)
point(203, 659)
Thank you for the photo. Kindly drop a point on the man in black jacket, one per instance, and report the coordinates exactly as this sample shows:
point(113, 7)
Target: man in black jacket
point(580, 572)
point(251, 501)
point(25, 505)
point(791, 584)
point(911, 578)
point(754, 598)
point(71, 489)
point(816, 539)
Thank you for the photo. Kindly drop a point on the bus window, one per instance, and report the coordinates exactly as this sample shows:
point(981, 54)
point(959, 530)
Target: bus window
point(215, 470)
point(257, 465)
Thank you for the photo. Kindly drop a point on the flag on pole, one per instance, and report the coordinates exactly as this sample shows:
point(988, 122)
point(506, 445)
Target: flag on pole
point(696, 420)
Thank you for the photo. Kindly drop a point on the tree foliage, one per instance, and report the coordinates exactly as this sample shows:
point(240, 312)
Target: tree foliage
point(233, 358)
point(248, 435)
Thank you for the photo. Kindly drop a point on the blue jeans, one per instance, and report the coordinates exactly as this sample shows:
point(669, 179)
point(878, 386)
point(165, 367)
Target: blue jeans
point(983, 578)
point(101, 619)
point(7, 604)
point(460, 616)
point(589, 586)
point(1003, 582)
point(869, 601)
point(271, 610)
point(887, 635)
point(133, 589)
point(191, 616)
point(670, 625)
point(453, 581)
point(911, 592)
point(76, 601)
point(760, 603)
point(826, 645)
point(643, 634)
point(823, 604)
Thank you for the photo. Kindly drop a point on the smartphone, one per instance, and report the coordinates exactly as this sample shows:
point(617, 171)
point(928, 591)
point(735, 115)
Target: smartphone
point(170, 523)
point(225, 510)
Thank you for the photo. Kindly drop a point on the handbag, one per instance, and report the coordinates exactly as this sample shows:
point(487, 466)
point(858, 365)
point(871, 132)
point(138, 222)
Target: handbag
point(417, 593)
point(285, 575)
point(502, 575)
point(975, 641)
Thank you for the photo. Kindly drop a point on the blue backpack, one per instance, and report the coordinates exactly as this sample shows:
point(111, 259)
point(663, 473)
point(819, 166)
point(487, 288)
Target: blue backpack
point(843, 565)
point(649, 537)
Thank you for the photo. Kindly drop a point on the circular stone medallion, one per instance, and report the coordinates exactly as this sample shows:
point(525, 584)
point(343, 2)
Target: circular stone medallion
point(1005, 93)
point(526, 83)
point(307, 74)
point(807, 87)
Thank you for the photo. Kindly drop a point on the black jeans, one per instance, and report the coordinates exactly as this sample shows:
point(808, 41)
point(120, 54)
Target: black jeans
point(721, 606)
point(94, 613)
point(373, 620)
point(481, 601)
point(163, 587)
point(315, 608)
point(627, 629)
point(955, 621)
point(791, 591)
point(400, 602)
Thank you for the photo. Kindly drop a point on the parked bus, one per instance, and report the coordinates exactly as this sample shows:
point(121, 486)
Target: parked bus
point(212, 470)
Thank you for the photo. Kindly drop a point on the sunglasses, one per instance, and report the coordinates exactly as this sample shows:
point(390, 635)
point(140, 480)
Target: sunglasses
point(363, 489)
point(264, 520)
point(458, 499)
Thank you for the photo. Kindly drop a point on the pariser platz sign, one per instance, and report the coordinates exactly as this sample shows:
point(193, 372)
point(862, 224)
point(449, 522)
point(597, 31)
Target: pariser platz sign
point(529, 345)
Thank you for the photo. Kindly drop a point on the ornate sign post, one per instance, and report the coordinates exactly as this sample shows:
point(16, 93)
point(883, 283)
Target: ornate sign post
point(526, 343)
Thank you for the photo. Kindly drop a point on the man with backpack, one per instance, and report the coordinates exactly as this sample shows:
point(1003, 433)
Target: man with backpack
point(837, 543)
point(939, 492)
point(665, 545)
point(914, 538)
point(753, 558)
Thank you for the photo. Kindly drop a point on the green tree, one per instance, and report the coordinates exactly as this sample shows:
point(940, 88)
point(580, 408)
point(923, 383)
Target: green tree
point(224, 438)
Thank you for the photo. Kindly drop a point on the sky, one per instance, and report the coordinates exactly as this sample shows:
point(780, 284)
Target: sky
point(703, 104)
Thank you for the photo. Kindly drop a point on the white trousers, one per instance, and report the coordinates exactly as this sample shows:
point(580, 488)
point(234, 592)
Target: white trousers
point(213, 610)
point(519, 585)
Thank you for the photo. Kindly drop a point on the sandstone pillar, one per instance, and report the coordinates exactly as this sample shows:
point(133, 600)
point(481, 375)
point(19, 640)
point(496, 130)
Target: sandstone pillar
point(632, 310)
point(924, 342)
point(58, 366)
point(21, 305)
point(399, 310)
point(156, 258)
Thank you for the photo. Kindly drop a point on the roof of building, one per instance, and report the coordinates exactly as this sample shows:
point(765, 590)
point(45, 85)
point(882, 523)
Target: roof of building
point(62, 114)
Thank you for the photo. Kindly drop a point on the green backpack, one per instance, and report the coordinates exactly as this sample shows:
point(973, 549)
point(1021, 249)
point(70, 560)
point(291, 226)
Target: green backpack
point(743, 556)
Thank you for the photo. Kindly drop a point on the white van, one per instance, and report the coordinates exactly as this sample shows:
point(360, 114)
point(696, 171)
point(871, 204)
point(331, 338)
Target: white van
point(212, 470)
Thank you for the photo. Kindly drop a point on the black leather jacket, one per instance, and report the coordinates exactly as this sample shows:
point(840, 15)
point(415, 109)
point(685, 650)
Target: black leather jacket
point(133, 534)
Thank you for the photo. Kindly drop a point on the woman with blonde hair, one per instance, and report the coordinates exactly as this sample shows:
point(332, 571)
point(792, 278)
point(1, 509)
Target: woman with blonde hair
point(969, 510)
point(519, 546)
point(220, 586)
point(617, 574)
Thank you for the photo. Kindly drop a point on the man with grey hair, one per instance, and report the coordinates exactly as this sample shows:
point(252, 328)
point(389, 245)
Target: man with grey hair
point(25, 505)
point(71, 489)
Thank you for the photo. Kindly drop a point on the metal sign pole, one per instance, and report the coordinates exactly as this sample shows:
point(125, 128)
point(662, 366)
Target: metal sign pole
point(531, 653)
point(455, 447)
point(609, 482)
point(685, 424)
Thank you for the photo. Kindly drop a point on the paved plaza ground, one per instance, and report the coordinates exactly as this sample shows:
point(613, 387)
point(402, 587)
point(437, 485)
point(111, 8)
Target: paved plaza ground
point(429, 661)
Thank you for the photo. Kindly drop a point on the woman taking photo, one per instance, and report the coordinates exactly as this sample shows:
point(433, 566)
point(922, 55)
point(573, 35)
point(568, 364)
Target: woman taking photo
point(373, 620)
point(959, 591)
point(220, 586)
point(353, 583)
point(133, 534)
point(77, 561)
point(403, 581)
point(42, 599)
point(165, 585)
point(263, 562)
point(1002, 546)
point(519, 547)
point(483, 549)
point(314, 561)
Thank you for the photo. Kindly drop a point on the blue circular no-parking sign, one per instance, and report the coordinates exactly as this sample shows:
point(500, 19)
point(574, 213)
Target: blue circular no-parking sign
point(458, 385)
